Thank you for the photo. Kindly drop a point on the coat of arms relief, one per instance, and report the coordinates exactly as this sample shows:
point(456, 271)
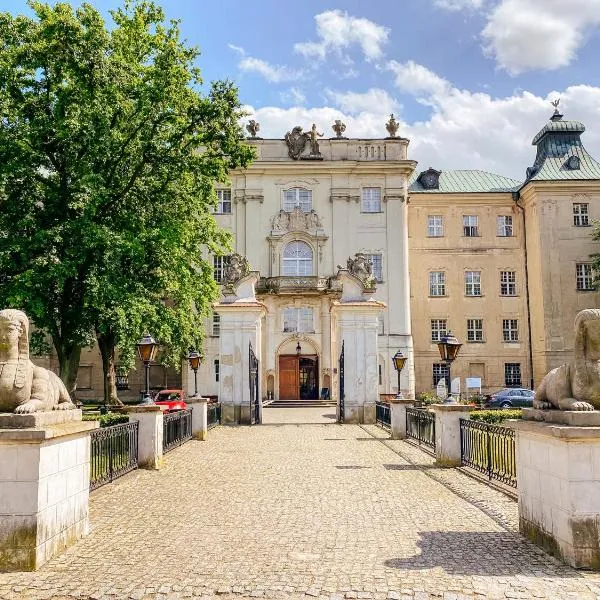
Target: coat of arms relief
point(297, 139)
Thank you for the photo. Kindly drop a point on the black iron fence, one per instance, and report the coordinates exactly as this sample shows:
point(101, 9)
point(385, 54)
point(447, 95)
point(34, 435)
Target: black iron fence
point(341, 381)
point(253, 382)
point(177, 429)
point(382, 414)
point(214, 415)
point(490, 449)
point(113, 452)
point(420, 425)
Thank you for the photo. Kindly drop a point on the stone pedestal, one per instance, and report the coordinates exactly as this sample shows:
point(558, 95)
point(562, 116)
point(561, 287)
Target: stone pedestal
point(558, 474)
point(398, 408)
point(150, 434)
point(44, 486)
point(447, 433)
point(199, 407)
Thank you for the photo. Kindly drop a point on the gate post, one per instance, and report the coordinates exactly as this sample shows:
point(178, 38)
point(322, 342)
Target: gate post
point(398, 408)
point(150, 434)
point(447, 433)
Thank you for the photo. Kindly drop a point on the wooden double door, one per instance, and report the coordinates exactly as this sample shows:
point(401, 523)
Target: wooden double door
point(298, 377)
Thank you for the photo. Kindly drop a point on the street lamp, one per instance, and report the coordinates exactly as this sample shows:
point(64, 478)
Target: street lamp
point(399, 362)
point(449, 348)
point(298, 349)
point(194, 360)
point(147, 348)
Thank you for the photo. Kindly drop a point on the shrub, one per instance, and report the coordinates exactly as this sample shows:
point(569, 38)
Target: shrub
point(478, 399)
point(495, 416)
point(108, 419)
point(427, 398)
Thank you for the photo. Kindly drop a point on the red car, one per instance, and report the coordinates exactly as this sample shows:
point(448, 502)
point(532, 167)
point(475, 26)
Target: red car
point(172, 399)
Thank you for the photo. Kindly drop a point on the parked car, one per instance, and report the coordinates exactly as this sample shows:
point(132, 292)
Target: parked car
point(511, 398)
point(172, 399)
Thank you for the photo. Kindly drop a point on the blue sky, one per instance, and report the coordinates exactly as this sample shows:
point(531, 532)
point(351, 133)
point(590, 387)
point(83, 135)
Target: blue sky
point(469, 80)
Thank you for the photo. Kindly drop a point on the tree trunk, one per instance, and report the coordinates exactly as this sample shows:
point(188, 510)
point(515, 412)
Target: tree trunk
point(69, 356)
point(106, 343)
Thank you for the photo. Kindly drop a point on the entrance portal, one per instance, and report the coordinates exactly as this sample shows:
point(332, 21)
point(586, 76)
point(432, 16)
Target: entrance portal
point(298, 377)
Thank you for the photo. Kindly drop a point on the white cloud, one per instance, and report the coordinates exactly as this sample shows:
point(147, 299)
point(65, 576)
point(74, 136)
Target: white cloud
point(272, 73)
point(456, 5)
point(338, 30)
point(375, 100)
point(293, 96)
point(417, 79)
point(524, 35)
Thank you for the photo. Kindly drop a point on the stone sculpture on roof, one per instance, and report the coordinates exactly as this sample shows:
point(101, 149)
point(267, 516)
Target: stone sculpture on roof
point(296, 141)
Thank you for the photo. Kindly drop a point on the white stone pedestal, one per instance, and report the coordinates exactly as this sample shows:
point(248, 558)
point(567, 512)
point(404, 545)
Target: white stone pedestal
point(150, 434)
point(447, 433)
point(558, 475)
point(199, 407)
point(44, 486)
point(398, 408)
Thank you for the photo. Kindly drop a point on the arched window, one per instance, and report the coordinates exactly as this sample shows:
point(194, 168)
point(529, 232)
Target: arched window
point(297, 197)
point(297, 259)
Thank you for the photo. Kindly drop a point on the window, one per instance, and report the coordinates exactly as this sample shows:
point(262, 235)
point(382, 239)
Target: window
point(219, 264)
point(512, 374)
point(435, 226)
point(224, 204)
point(580, 214)
point(504, 226)
point(472, 283)
point(122, 376)
point(217, 369)
point(510, 330)
point(297, 259)
point(439, 328)
point(474, 330)
point(298, 320)
point(470, 225)
point(375, 260)
point(371, 200)
point(441, 371)
point(584, 276)
point(380, 325)
point(437, 283)
point(216, 324)
point(508, 283)
point(297, 197)
point(84, 377)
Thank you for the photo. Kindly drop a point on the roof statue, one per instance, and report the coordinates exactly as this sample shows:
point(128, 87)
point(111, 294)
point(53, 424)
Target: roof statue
point(392, 126)
point(296, 142)
point(556, 116)
point(253, 128)
point(339, 128)
point(314, 143)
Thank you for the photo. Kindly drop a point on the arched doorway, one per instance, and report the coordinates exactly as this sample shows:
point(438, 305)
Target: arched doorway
point(298, 365)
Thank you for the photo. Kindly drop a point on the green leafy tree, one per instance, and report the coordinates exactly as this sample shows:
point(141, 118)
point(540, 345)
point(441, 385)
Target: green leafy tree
point(109, 152)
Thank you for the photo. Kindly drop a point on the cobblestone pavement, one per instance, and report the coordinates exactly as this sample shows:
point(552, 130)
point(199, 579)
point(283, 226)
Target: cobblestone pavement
point(324, 414)
point(310, 511)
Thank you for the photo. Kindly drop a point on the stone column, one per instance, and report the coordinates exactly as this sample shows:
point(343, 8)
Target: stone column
point(44, 486)
point(447, 433)
point(558, 474)
point(199, 407)
point(398, 408)
point(150, 434)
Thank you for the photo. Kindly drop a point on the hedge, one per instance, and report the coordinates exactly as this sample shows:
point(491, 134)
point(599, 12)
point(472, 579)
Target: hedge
point(495, 416)
point(108, 419)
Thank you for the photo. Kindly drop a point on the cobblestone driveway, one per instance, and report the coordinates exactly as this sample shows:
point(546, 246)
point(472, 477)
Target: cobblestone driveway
point(298, 512)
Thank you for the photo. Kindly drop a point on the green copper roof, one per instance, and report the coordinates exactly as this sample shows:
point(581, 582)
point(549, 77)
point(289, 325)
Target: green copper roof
point(465, 182)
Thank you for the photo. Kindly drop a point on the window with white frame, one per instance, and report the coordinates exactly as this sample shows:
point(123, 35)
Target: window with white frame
point(298, 320)
point(371, 200)
point(581, 217)
point(297, 197)
point(376, 263)
point(504, 225)
point(510, 330)
point(297, 259)
point(437, 283)
point(217, 369)
point(435, 226)
point(512, 374)
point(470, 225)
point(439, 328)
point(380, 325)
point(472, 283)
point(219, 264)
point(508, 283)
point(474, 330)
point(216, 324)
point(585, 279)
point(441, 371)
point(224, 204)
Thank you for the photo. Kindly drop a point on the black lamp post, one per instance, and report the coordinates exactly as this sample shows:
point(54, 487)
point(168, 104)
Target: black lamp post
point(194, 360)
point(298, 349)
point(449, 348)
point(399, 362)
point(147, 348)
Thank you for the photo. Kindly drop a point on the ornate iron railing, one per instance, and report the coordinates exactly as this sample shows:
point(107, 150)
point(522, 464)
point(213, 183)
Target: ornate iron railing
point(113, 452)
point(214, 415)
point(489, 449)
point(382, 414)
point(342, 394)
point(420, 425)
point(289, 284)
point(177, 429)
point(122, 378)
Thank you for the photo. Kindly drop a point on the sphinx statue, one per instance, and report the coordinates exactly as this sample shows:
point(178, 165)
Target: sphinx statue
point(576, 385)
point(24, 387)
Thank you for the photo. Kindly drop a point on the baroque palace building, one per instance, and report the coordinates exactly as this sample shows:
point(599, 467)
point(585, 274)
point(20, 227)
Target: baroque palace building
point(505, 265)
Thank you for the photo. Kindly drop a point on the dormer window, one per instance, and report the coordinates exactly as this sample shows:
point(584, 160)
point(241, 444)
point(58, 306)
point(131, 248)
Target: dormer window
point(573, 163)
point(430, 179)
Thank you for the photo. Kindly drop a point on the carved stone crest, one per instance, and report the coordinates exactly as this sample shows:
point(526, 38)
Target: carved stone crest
point(237, 267)
point(361, 268)
point(253, 128)
point(296, 220)
point(392, 126)
point(296, 142)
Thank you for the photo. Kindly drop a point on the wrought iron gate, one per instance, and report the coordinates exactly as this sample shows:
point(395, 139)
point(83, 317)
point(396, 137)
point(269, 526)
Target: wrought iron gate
point(342, 395)
point(253, 382)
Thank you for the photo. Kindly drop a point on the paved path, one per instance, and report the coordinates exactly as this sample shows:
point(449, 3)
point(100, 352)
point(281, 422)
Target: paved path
point(322, 414)
point(311, 511)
